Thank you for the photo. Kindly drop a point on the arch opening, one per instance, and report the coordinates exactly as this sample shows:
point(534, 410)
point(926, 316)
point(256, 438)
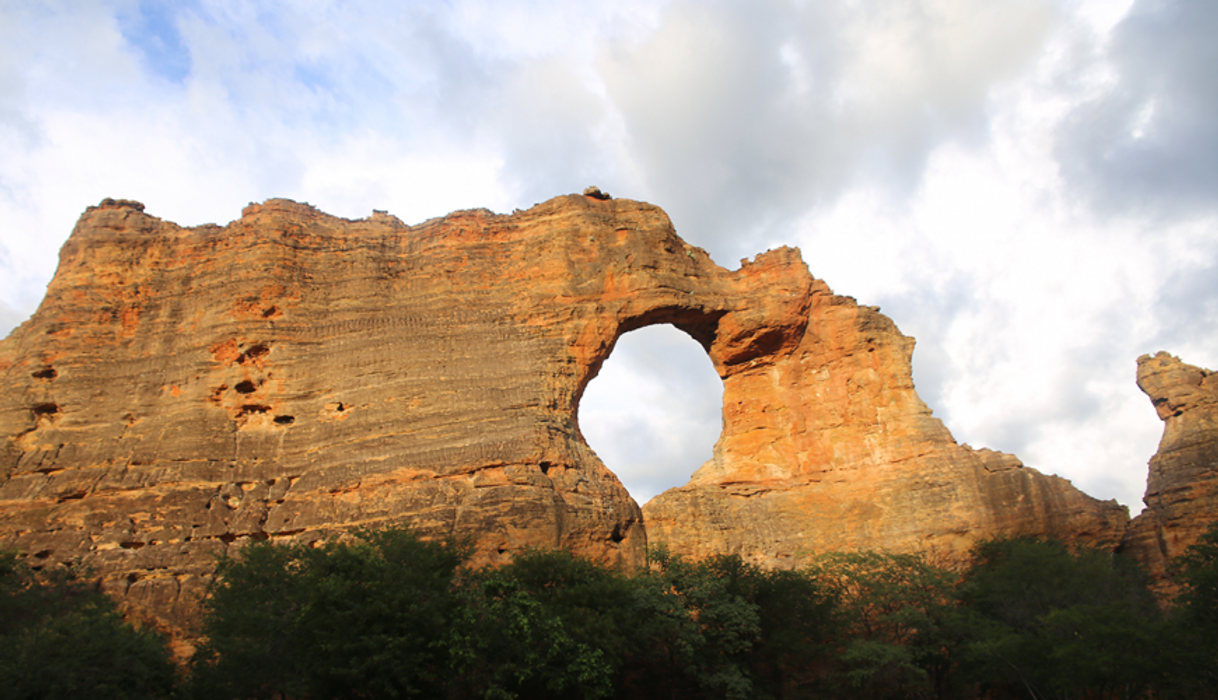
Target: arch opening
point(654, 411)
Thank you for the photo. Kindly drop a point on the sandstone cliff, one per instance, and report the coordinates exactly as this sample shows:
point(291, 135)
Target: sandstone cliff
point(826, 446)
point(1182, 489)
point(185, 390)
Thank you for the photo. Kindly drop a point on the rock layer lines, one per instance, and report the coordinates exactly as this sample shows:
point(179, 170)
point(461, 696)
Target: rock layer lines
point(1182, 489)
point(185, 390)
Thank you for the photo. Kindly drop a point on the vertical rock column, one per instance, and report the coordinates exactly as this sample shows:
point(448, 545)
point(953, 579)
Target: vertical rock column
point(1182, 488)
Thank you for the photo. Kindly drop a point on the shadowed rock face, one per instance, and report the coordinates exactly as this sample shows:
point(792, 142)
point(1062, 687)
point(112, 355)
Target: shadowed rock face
point(185, 390)
point(1182, 489)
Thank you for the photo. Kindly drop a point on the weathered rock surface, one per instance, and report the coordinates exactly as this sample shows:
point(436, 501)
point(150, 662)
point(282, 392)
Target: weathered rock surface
point(1182, 489)
point(185, 390)
point(826, 446)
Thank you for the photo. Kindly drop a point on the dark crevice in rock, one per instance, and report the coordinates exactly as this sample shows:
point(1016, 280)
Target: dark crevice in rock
point(48, 410)
point(255, 352)
point(616, 535)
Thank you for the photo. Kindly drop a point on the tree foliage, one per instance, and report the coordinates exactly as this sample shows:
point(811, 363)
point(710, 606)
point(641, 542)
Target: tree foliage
point(553, 625)
point(63, 638)
point(548, 625)
point(1198, 575)
point(1192, 639)
point(350, 618)
point(893, 609)
point(1044, 622)
point(386, 614)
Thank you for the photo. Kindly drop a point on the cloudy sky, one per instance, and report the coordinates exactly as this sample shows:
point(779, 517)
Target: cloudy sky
point(1028, 187)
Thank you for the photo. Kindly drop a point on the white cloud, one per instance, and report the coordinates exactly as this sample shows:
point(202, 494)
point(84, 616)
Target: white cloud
point(653, 413)
point(1145, 145)
point(369, 172)
point(1034, 309)
point(1024, 187)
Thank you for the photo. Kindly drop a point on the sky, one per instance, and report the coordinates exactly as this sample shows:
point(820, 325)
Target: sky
point(1027, 187)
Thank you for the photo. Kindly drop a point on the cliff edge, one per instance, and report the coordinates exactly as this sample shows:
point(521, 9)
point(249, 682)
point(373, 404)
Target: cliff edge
point(183, 391)
point(1182, 487)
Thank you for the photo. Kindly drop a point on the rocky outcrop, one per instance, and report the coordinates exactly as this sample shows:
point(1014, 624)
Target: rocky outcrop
point(827, 447)
point(181, 391)
point(1182, 488)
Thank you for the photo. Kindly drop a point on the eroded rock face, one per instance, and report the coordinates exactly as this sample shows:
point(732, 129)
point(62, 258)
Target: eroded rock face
point(826, 447)
point(185, 390)
point(1182, 489)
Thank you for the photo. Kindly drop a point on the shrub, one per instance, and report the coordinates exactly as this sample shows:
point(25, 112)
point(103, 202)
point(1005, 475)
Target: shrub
point(63, 638)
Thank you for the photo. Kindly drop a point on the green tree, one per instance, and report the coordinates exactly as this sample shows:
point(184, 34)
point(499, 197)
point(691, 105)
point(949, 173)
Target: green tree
point(721, 625)
point(547, 625)
point(552, 625)
point(1197, 572)
point(63, 638)
point(353, 618)
point(797, 626)
point(893, 611)
point(724, 628)
point(1045, 622)
point(1192, 656)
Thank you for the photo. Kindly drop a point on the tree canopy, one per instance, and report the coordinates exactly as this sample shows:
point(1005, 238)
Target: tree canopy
point(387, 614)
point(63, 638)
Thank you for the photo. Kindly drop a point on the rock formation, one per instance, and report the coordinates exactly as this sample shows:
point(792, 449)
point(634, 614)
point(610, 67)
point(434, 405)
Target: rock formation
point(1182, 489)
point(181, 391)
point(826, 447)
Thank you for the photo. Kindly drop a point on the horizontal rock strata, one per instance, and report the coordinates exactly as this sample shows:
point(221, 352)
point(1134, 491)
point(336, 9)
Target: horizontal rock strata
point(826, 447)
point(1182, 489)
point(182, 391)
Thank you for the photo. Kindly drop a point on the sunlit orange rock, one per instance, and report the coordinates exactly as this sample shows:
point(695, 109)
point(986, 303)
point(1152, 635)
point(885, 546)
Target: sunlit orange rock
point(183, 391)
point(827, 447)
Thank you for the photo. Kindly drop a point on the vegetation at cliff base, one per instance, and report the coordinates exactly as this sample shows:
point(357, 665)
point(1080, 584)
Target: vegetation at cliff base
point(386, 614)
point(1191, 661)
point(62, 638)
point(1041, 621)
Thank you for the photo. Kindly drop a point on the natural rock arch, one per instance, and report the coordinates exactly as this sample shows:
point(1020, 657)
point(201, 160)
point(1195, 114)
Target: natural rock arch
point(697, 324)
point(184, 390)
point(654, 411)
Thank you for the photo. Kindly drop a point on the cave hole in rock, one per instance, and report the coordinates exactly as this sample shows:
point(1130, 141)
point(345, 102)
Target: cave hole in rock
point(654, 411)
point(253, 353)
point(45, 410)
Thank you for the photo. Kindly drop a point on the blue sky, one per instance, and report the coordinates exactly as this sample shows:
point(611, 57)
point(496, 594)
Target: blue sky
point(1025, 187)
